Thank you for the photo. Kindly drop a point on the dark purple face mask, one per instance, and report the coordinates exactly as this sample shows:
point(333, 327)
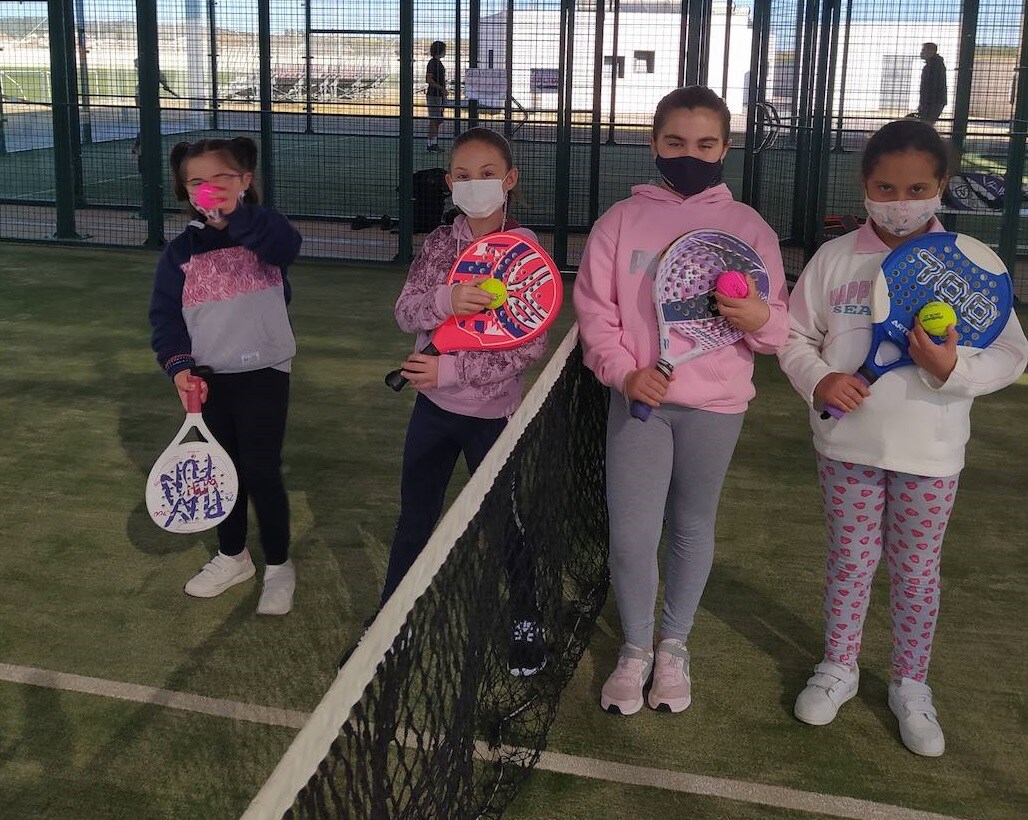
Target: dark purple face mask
point(688, 175)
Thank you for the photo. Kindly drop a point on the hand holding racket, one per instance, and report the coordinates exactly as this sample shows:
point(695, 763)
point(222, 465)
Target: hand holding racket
point(193, 484)
point(526, 293)
point(688, 321)
point(934, 267)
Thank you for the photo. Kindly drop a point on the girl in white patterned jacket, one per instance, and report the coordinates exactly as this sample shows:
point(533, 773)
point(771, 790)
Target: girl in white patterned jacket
point(464, 398)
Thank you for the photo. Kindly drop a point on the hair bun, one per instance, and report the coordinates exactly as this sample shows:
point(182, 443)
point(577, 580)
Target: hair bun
point(246, 150)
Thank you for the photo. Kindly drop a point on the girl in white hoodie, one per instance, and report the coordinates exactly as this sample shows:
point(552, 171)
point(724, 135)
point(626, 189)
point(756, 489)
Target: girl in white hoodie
point(889, 468)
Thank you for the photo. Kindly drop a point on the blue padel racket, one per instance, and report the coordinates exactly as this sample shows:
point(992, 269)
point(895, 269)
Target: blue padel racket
point(528, 292)
point(683, 293)
point(934, 267)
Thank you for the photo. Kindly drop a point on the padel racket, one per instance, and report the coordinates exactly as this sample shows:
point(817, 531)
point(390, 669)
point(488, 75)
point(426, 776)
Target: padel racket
point(945, 267)
point(683, 294)
point(193, 484)
point(532, 292)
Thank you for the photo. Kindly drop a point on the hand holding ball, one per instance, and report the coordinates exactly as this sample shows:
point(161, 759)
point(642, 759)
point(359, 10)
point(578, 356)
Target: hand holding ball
point(498, 289)
point(936, 317)
point(732, 283)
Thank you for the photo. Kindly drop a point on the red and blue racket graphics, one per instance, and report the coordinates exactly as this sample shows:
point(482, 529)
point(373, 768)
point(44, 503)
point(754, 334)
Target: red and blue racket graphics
point(934, 267)
point(683, 294)
point(528, 291)
point(193, 484)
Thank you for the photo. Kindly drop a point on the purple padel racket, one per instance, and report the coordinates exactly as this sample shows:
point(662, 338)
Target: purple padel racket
point(934, 267)
point(683, 294)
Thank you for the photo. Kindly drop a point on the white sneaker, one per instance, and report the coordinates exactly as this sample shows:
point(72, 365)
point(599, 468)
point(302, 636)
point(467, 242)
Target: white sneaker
point(279, 585)
point(218, 574)
point(831, 685)
point(911, 703)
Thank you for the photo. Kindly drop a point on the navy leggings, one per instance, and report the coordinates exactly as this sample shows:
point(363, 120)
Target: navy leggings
point(435, 438)
point(246, 412)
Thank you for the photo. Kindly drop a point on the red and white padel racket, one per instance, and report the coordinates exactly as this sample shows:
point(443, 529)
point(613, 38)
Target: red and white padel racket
point(193, 484)
point(683, 293)
point(528, 289)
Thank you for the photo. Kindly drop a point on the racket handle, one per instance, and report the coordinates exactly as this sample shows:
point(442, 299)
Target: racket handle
point(640, 411)
point(395, 378)
point(194, 404)
point(833, 412)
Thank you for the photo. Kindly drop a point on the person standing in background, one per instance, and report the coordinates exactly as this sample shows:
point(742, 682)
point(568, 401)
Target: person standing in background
point(932, 97)
point(435, 94)
point(136, 149)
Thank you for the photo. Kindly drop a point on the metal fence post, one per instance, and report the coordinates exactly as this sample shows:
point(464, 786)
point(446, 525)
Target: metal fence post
point(60, 22)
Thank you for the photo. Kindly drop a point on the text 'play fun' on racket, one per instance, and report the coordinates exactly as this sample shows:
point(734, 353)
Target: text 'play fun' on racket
point(934, 267)
point(529, 294)
point(683, 293)
point(193, 484)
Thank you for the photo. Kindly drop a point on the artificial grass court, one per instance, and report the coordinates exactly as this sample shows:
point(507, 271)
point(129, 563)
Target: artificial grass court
point(91, 587)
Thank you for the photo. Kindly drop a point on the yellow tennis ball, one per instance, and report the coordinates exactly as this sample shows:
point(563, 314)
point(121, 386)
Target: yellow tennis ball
point(936, 317)
point(498, 289)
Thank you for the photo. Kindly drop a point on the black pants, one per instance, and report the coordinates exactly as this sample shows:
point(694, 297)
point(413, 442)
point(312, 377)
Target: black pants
point(246, 412)
point(435, 438)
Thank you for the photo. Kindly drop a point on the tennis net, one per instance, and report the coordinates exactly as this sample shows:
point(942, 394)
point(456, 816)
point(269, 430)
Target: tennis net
point(425, 718)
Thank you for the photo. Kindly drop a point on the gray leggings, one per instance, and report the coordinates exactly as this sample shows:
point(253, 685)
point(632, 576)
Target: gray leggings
point(673, 465)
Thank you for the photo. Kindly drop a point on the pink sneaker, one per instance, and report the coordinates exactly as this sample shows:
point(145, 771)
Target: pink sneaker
point(623, 692)
point(671, 690)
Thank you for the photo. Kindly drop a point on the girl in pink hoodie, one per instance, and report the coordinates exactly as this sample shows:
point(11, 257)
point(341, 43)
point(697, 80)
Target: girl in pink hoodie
point(674, 464)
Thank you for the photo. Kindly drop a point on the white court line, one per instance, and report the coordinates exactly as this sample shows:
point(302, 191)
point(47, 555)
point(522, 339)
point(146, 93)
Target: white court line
point(150, 694)
point(739, 790)
point(783, 637)
point(103, 181)
point(557, 762)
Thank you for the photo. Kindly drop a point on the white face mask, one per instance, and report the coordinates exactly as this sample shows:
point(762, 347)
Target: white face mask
point(479, 198)
point(904, 216)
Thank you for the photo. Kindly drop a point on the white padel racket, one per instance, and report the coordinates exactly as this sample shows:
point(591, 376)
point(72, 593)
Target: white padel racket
point(193, 484)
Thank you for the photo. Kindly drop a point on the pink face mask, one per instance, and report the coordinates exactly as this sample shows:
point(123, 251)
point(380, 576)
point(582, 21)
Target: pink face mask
point(903, 216)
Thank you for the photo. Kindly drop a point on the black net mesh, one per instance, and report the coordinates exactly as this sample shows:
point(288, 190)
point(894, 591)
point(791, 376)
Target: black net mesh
point(444, 729)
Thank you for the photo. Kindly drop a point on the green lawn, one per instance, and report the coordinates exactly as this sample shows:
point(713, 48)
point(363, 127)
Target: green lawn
point(90, 586)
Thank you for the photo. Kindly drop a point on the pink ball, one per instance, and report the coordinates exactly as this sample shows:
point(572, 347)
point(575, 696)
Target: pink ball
point(208, 196)
point(732, 283)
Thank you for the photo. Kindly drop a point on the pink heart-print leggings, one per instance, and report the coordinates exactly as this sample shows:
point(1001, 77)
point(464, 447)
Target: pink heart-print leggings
point(863, 506)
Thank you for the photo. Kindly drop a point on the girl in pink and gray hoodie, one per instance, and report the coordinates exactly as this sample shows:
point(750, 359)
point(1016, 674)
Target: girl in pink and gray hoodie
point(464, 398)
point(674, 464)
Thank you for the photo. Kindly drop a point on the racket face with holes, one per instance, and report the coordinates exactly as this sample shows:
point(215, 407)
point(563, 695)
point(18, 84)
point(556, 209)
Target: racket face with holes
point(946, 267)
point(683, 292)
point(534, 295)
point(193, 485)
